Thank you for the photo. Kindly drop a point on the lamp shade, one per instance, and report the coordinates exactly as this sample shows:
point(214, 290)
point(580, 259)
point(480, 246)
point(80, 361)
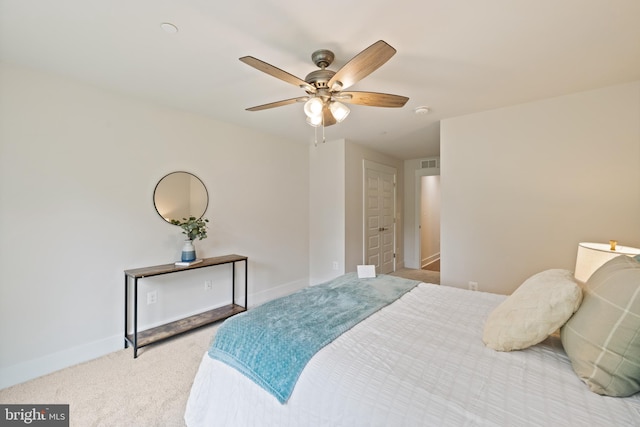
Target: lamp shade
point(592, 255)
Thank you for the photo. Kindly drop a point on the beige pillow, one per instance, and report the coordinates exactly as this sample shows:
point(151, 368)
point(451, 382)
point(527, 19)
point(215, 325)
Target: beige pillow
point(542, 304)
point(603, 338)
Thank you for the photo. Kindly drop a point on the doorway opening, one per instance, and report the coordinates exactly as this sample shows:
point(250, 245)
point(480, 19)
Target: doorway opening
point(427, 215)
point(430, 222)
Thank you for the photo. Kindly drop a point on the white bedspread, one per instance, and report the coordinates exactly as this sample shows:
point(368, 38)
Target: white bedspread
point(418, 362)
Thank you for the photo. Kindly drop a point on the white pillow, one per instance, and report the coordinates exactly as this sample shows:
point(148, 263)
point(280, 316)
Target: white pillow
point(541, 305)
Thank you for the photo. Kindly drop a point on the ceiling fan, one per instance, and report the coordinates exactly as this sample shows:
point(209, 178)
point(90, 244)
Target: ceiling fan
point(324, 102)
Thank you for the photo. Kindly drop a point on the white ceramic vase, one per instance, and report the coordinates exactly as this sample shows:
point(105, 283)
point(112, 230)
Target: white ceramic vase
point(188, 251)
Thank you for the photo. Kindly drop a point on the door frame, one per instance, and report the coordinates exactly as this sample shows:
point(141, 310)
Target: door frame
point(378, 167)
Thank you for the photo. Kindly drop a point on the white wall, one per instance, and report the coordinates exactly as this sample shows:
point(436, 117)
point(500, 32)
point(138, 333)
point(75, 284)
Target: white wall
point(78, 166)
point(326, 210)
point(336, 213)
point(522, 186)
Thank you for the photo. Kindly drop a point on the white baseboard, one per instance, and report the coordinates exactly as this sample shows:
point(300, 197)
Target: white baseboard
point(277, 292)
point(34, 368)
point(38, 367)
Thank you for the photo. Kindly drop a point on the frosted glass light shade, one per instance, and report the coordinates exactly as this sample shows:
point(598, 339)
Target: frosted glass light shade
point(315, 121)
point(313, 107)
point(592, 255)
point(339, 111)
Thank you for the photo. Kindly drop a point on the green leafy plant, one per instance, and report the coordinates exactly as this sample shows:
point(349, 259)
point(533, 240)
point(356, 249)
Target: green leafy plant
point(192, 227)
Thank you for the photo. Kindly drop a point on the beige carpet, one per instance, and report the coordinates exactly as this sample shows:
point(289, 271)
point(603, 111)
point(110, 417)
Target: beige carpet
point(118, 390)
point(426, 276)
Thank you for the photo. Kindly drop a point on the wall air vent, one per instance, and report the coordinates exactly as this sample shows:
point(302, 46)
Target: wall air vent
point(430, 163)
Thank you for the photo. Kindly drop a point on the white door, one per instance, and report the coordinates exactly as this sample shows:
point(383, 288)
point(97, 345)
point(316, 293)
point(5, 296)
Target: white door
point(379, 216)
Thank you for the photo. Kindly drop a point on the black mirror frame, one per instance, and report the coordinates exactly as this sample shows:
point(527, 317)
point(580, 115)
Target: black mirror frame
point(196, 214)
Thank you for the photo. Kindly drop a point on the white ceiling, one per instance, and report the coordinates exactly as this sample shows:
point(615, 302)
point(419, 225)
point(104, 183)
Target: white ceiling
point(455, 56)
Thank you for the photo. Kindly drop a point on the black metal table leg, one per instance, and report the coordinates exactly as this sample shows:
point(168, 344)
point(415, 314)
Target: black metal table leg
point(126, 309)
point(135, 317)
point(246, 278)
point(233, 283)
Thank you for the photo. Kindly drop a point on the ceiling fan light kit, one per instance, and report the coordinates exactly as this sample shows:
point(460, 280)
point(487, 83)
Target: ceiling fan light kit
point(324, 103)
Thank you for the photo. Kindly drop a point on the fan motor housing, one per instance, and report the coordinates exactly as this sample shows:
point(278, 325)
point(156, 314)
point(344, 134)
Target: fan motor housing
point(319, 78)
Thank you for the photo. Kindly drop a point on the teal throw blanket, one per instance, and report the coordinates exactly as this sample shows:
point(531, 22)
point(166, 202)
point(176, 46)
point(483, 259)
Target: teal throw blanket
point(271, 344)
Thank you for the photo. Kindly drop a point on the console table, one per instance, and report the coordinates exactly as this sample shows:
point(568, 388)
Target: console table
point(148, 336)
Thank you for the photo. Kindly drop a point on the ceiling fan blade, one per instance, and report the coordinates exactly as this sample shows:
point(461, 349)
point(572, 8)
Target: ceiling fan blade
point(363, 64)
point(328, 118)
point(372, 99)
point(278, 103)
point(277, 73)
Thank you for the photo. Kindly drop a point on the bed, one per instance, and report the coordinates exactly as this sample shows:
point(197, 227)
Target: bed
point(418, 361)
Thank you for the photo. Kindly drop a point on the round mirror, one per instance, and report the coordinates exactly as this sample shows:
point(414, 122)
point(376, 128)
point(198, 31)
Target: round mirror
point(180, 195)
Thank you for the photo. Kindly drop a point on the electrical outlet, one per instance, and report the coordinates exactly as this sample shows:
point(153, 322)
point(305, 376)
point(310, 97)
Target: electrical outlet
point(152, 297)
point(208, 285)
point(473, 286)
point(335, 265)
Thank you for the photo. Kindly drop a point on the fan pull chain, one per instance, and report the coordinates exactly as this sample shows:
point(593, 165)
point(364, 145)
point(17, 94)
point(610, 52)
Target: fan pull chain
point(315, 134)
